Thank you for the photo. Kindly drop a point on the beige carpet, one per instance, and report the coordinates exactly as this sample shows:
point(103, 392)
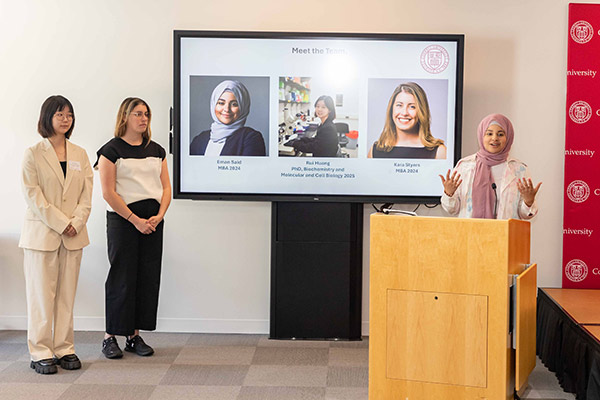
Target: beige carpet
point(208, 367)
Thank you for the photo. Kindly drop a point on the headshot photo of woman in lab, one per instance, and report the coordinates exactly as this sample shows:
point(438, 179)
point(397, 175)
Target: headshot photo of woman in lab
point(407, 129)
point(228, 135)
point(325, 143)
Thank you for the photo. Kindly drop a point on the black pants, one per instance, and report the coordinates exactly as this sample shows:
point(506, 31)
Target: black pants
point(133, 281)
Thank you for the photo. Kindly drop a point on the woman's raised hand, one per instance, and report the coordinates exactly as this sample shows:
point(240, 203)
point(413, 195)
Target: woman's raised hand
point(451, 182)
point(528, 191)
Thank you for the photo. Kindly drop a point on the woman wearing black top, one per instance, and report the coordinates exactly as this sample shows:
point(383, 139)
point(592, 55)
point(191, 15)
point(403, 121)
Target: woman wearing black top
point(325, 143)
point(407, 132)
point(136, 187)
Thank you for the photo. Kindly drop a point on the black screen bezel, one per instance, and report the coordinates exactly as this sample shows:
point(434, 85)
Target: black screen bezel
point(323, 197)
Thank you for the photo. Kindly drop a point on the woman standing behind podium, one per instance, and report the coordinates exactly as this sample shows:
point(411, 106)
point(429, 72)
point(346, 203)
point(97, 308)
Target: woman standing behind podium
point(489, 184)
point(135, 184)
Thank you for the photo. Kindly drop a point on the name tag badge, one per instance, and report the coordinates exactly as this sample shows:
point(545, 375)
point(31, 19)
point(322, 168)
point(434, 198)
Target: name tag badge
point(75, 165)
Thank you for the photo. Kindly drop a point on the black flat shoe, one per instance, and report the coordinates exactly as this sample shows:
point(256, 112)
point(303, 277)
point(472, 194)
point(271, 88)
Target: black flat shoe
point(70, 362)
point(137, 345)
point(45, 366)
point(111, 349)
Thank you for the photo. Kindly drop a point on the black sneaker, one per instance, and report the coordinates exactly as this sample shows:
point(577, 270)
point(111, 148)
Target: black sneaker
point(70, 362)
point(110, 348)
point(45, 366)
point(137, 345)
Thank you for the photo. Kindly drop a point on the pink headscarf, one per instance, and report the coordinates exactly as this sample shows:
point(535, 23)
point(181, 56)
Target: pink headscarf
point(483, 194)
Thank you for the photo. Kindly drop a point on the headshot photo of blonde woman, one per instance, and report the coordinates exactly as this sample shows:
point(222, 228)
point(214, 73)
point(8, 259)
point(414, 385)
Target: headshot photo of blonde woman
point(412, 124)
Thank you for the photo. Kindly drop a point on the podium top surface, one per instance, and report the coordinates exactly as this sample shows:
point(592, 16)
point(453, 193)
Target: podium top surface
point(468, 245)
point(450, 219)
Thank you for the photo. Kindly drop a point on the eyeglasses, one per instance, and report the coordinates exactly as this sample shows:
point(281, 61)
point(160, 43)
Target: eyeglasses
point(139, 114)
point(62, 115)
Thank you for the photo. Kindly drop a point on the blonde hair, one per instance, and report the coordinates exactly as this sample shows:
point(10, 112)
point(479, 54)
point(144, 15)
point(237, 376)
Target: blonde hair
point(388, 138)
point(125, 110)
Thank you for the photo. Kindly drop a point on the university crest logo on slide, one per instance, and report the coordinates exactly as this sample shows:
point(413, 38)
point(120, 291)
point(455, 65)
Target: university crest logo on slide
point(578, 191)
point(582, 32)
point(580, 112)
point(576, 270)
point(434, 59)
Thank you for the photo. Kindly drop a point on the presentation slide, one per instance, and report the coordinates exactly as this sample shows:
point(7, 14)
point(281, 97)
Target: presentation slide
point(327, 116)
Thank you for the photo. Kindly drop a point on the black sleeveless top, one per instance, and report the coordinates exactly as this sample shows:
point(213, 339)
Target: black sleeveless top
point(405, 152)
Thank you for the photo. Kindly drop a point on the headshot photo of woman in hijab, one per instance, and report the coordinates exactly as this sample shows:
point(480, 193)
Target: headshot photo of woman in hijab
point(228, 134)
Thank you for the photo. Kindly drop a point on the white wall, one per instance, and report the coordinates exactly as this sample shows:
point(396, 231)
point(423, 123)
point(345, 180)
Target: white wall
point(216, 260)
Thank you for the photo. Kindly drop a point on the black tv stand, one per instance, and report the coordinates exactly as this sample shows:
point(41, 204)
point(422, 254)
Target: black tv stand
point(316, 270)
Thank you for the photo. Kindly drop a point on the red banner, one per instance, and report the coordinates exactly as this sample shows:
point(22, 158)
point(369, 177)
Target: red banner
point(581, 259)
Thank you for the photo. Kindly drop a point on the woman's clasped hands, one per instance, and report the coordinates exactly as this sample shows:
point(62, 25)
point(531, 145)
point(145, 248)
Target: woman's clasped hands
point(155, 220)
point(145, 226)
point(70, 231)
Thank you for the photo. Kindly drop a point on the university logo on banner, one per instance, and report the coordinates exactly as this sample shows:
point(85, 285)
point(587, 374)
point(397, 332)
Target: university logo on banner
point(581, 183)
point(580, 112)
point(582, 32)
point(578, 191)
point(576, 270)
point(434, 59)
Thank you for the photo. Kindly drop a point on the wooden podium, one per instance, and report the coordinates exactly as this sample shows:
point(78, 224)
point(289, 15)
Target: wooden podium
point(440, 308)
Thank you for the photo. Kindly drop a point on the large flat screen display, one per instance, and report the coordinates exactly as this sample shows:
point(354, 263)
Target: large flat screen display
point(315, 116)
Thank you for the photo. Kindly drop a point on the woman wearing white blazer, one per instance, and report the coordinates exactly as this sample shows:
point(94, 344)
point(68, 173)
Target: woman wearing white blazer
point(57, 184)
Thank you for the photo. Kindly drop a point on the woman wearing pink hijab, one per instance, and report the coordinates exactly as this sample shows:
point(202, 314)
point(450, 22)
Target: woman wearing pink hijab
point(495, 185)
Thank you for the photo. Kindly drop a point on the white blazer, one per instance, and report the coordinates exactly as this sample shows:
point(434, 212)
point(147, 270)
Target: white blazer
point(53, 200)
point(510, 203)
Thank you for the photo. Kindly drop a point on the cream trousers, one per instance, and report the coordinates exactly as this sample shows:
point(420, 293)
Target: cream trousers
point(51, 283)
